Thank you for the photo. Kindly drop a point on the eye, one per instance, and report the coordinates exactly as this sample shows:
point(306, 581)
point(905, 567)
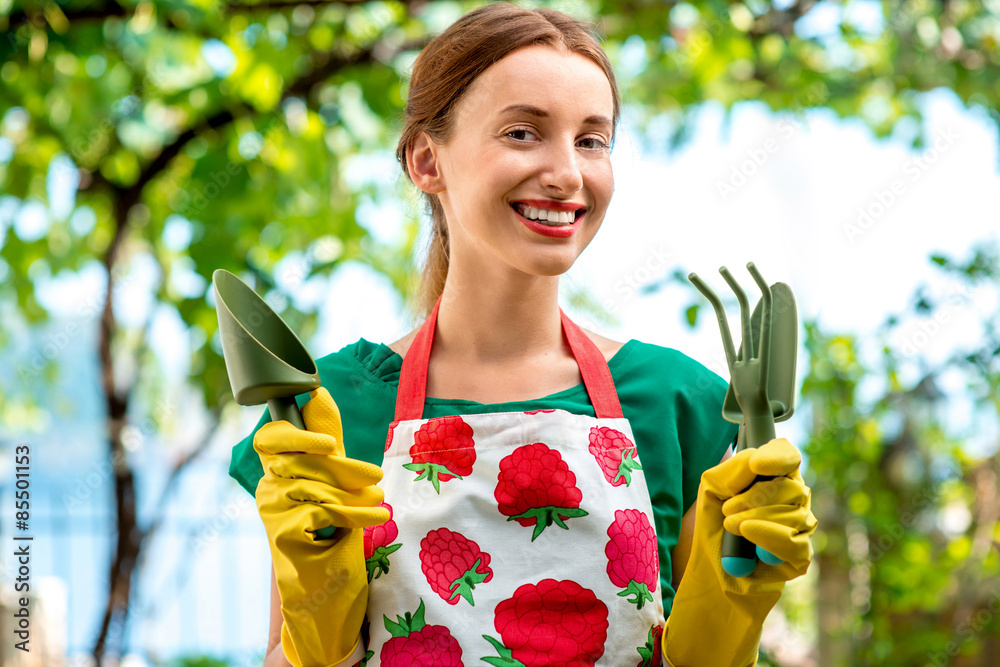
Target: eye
point(520, 134)
point(594, 143)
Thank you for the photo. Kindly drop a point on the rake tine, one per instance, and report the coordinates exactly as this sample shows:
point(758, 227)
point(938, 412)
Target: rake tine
point(747, 351)
point(764, 345)
point(720, 314)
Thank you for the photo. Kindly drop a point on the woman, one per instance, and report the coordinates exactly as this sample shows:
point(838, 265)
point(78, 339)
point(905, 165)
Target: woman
point(538, 499)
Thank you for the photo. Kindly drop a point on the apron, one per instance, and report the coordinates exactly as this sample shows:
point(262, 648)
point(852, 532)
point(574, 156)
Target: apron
point(516, 538)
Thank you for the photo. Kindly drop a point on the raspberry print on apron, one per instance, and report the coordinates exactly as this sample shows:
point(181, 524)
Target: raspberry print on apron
point(443, 449)
point(536, 488)
point(378, 542)
point(533, 544)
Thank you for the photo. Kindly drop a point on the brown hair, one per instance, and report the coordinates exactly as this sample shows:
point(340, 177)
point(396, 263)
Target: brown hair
point(443, 72)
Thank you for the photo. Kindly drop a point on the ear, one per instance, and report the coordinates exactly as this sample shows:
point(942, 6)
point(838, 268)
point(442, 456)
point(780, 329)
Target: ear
point(422, 161)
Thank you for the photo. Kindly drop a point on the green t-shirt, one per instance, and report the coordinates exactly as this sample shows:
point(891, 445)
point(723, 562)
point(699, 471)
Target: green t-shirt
point(673, 403)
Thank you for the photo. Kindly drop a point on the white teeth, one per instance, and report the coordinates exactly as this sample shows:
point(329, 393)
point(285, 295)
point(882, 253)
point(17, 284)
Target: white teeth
point(547, 215)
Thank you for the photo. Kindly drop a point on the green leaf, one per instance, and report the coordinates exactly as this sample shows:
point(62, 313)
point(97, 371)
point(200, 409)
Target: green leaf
point(691, 314)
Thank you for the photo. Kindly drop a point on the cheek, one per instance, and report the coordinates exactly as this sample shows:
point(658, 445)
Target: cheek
point(602, 182)
point(502, 171)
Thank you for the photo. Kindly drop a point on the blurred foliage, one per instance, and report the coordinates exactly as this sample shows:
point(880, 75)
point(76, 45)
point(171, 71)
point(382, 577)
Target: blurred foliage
point(903, 459)
point(170, 138)
point(216, 134)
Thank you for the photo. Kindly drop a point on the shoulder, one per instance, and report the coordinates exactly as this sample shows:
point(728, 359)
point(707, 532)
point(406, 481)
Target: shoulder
point(345, 356)
point(403, 344)
point(608, 347)
point(658, 358)
point(655, 375)
point(358, 365)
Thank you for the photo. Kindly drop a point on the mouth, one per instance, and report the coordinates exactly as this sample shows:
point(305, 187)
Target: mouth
point(549, 216)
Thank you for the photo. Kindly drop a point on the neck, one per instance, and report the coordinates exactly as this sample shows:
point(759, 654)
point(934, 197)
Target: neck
point(492, 319)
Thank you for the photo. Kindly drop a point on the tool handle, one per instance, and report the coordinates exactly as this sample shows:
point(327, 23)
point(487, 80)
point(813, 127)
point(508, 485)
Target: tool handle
point(739, 555)
point(284, 408)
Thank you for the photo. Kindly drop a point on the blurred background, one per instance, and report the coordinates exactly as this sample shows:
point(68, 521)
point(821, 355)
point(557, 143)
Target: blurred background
point(850, 149)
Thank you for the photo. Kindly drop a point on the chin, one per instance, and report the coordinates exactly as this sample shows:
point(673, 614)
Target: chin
point(551, 265)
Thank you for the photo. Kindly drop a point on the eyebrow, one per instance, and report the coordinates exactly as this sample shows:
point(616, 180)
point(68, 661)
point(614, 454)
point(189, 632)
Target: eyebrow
point(530, 110)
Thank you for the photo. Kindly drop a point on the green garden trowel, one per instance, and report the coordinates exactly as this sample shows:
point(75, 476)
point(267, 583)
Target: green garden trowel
point(266, 361)
point(762, 386)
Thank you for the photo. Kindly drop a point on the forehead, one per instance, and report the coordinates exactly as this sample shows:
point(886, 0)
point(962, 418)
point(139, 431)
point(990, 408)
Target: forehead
point(540, 75)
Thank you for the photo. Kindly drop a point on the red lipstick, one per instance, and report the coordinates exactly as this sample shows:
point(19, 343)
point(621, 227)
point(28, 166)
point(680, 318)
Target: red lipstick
point(550, 204)
point(560, 232)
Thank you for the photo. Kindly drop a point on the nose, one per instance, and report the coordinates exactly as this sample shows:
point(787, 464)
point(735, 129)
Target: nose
point(562, 176)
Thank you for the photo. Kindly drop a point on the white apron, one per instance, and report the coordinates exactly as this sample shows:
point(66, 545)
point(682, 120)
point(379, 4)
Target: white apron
point(517, 538)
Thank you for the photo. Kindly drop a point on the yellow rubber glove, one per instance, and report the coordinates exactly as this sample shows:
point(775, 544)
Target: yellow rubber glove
point(309, 484)
point(716, 619)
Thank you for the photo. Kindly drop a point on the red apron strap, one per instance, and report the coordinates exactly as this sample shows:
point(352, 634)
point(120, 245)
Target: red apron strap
point(594, 369)
point(413, 374)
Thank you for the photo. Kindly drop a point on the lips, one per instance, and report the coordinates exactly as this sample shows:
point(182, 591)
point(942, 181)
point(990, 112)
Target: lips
point(561, 229)
point(551, 205)
point(547, 211)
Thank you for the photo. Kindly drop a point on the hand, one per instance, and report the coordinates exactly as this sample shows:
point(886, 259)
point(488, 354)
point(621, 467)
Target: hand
point(774, 514)
point(309, 484)
point(716, 618)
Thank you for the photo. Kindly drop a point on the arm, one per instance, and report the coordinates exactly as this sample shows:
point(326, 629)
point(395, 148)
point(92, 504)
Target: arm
point(717, 619)
point(309, 484)
point(275, 656)
point(682, 550)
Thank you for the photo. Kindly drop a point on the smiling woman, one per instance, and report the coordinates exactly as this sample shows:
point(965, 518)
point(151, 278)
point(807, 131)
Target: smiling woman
point(508, 487)
point(546, 154)
point(480, 41)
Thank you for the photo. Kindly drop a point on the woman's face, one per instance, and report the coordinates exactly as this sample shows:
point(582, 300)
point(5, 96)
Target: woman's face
point(525, 178)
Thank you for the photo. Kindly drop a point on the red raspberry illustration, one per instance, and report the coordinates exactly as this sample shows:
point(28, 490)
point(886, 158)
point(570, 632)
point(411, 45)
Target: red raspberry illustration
point(615, 454)
point(633, 563)
point(651, 654)
point(442, 448)
point(535, 412)
point(556, 623)
point(414, 643)
point(453, 565)
point(378, 545)
point(537, 488)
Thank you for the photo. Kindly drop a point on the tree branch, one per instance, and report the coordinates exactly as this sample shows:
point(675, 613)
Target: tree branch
point(36, 16)
point(129, 546)
point(130, 195)
point(781, 21)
